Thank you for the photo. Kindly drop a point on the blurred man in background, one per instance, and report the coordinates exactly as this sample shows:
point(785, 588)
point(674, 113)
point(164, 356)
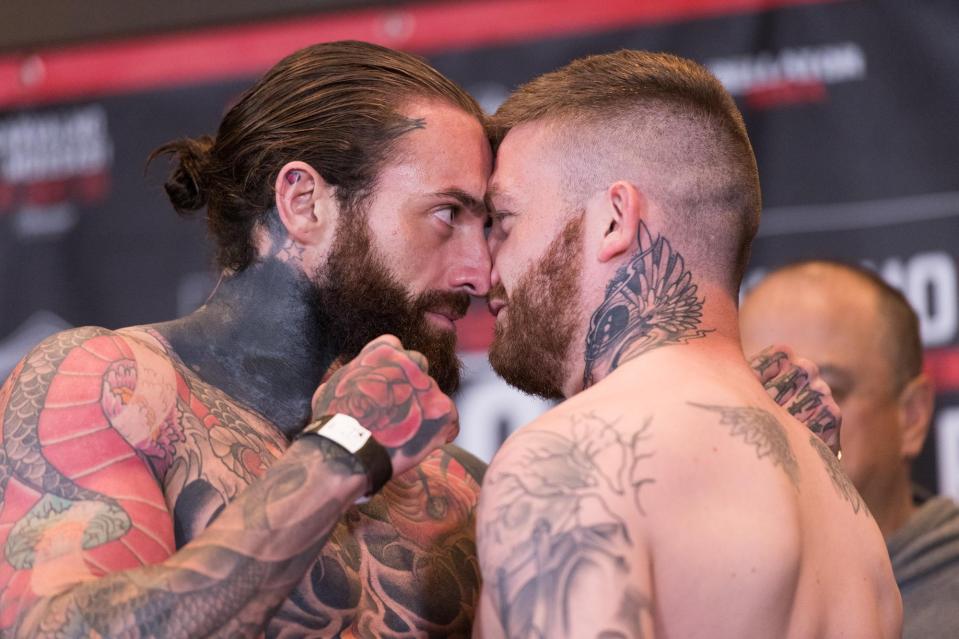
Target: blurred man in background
point(865, 338)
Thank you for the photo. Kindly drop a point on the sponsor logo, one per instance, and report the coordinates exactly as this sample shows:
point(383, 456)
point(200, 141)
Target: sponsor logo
point(50, 163)
point(789, 76)
point(947, 449)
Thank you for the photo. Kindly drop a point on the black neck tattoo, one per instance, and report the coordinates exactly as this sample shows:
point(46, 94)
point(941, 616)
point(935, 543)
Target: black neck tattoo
point(650, 302)
point(260, 338)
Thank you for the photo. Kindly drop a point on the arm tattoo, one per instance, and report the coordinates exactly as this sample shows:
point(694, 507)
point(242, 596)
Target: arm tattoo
point(556, 514)
point(840, 480)
point(412, 547)
point(650, 302)
point(762, 431)
point(85, 532)
point(390, 395)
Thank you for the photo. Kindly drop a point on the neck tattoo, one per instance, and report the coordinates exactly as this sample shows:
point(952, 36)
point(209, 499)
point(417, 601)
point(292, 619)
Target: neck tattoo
point(650, 302)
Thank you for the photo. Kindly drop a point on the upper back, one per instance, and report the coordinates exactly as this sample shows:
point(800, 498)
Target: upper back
point(777, 535)
point(737, 516)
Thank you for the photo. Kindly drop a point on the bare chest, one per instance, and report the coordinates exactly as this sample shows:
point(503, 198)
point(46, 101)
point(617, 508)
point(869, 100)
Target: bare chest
point(402, 565)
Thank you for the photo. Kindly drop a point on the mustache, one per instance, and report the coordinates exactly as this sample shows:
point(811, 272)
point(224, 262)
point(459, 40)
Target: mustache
point(497, 292)
point(453, 302)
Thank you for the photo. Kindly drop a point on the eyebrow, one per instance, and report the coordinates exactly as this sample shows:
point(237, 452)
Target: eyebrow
point(464, 198)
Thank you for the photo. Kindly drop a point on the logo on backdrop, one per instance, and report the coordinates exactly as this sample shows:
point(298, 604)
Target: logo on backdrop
point(50, 162)
point(791, 75)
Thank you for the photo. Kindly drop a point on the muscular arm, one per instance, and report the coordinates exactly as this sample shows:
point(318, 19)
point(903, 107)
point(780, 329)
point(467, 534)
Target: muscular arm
point(560, 553)
point(77, 534)
point(88, 546)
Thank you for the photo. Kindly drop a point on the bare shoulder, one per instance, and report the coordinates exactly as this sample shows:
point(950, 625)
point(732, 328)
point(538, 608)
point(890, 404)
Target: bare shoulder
point(77, 498)
point(568, 449)
point(560, 529)
point(89, 373)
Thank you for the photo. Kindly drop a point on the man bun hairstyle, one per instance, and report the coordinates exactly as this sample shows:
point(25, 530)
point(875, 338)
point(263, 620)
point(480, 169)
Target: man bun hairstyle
point(185, 185)
point(334, 106)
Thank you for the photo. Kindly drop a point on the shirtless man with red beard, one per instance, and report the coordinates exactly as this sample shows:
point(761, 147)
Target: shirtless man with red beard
point(164, 480)
point(668, 496)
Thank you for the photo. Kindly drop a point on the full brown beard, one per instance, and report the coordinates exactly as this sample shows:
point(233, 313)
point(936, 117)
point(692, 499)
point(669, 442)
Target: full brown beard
point(531, 345)
point(359, 299)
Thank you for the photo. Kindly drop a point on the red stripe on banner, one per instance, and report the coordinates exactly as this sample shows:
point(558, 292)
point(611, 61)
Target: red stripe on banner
point(212, 54)
point(942, 366)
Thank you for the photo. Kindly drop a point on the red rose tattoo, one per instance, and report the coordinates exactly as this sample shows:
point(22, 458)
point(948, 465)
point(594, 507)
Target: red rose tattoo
point(387, 390)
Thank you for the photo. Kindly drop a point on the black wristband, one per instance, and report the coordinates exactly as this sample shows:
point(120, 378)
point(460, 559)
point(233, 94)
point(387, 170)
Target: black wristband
point(350, 435)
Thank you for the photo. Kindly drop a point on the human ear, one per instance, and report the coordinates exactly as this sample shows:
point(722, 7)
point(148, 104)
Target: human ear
point(915, 406)
point(623, 208)
point(304, 202)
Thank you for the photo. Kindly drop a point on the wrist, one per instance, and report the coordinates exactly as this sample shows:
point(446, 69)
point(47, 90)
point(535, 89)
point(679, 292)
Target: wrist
point(351, 448)
point(347, 481)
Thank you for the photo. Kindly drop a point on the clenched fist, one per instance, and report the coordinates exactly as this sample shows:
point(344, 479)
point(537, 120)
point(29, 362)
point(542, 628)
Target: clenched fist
point(388, 390)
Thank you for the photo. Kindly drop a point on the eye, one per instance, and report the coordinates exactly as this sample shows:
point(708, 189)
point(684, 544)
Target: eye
point(500, 222)
point(446, 215)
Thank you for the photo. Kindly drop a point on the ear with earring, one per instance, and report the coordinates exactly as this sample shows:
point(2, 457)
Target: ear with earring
point(293, 176)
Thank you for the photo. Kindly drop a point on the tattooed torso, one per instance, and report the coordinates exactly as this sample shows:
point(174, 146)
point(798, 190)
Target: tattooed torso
point(401, 565)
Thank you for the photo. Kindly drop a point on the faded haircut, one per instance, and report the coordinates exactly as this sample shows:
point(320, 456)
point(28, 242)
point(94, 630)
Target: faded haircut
point(663, 123)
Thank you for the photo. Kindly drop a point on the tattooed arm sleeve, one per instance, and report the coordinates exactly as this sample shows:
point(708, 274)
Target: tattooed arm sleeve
point(559, 549)
point(86, 537)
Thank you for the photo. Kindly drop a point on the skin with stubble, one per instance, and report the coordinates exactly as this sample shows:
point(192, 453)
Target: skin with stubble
point(837, 318)
point(669, 495)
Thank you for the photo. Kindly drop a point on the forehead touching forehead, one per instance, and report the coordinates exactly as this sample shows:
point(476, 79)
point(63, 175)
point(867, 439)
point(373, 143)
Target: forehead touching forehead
point(531, 173)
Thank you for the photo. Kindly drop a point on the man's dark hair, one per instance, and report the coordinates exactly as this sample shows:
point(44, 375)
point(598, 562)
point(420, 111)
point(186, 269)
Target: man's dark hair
point(660, 120)
point(893, 311)
point(333, 105)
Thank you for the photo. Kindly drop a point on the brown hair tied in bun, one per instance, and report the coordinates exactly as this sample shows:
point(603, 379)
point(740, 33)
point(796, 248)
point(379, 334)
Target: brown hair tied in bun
point(186, 185)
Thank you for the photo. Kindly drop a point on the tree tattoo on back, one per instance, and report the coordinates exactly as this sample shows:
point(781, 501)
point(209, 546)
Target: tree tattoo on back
point(558, 511)
point(650, 302)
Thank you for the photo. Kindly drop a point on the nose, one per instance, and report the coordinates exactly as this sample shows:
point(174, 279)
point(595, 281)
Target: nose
point(472, 268)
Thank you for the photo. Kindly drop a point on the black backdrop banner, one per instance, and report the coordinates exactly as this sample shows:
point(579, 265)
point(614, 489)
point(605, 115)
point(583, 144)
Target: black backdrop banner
point(850, 106)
